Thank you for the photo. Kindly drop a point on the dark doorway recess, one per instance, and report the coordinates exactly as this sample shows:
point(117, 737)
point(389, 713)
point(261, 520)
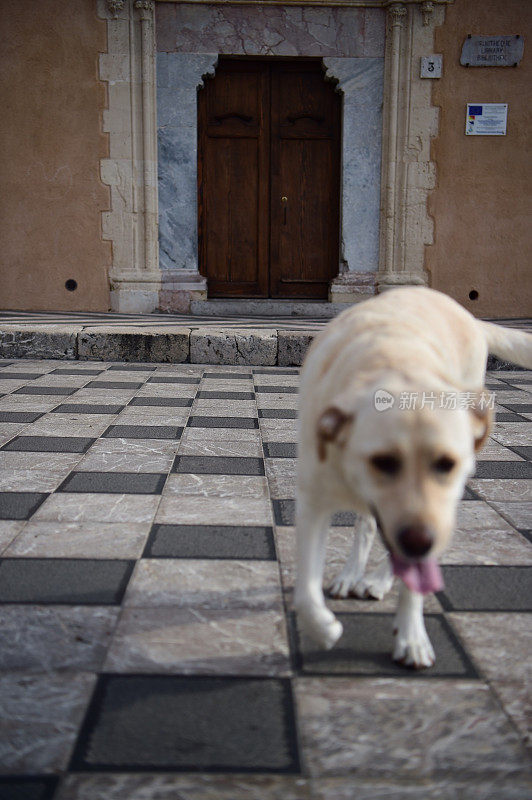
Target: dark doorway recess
point(269, 179)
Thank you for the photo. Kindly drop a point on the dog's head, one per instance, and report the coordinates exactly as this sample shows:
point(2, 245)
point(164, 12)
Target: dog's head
point(408, 465)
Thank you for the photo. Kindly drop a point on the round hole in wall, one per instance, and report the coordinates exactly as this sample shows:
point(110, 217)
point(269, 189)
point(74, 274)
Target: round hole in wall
point(473, 294)
point(71, 285)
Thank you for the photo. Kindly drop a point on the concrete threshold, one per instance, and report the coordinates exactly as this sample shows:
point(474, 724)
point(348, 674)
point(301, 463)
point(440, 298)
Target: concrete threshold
point(239, 341)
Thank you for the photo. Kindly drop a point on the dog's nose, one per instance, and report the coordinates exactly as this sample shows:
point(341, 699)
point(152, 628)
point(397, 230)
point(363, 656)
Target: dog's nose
point(415, 540)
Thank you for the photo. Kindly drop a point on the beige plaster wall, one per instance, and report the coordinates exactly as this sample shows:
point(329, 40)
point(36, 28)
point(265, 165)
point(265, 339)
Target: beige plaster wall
point(51, 143)
point(482, 203)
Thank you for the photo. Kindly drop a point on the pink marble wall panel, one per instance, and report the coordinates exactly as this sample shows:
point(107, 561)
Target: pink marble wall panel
point(270, 30)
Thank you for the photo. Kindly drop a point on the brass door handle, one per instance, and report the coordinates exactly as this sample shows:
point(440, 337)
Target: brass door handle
point(284, 201)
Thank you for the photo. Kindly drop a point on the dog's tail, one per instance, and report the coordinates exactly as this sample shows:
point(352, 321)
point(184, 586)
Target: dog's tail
point(509, 344)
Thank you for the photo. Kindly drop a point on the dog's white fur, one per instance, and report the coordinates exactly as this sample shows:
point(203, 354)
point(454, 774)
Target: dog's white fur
point(408, 340)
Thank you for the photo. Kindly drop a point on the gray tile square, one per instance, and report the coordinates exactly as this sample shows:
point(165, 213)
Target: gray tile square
point(519, 408)
point(486, 588)
point(504, 469)
point(21, 788)
point(20, 505)
point(131, 368)
point(267, 389)
point(113, 385)
point(114, 482)
point(49, 444)
point(211, 541)
point(64, 581)
point(87, 408)
point(219, 465)
point(19, 376)
point(222, 422)
point(177, 379)
point(74, 371)
point(524, 451)
point(204, 394)
point(19, 416)
point(42, 390)
point(285, 511)
point(189, 723)
point(280, 449)
point(142, 432)
point(171, 402)
point(365, 649)
point(231, 376)
point(278, 413)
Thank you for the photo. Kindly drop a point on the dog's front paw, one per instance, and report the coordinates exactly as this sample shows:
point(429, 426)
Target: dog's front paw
point(373, 586)
point(415, 652)
point(321, 626)
point(342, 586)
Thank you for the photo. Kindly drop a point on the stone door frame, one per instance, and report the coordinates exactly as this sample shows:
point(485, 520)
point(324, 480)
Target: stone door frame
point(407, 175)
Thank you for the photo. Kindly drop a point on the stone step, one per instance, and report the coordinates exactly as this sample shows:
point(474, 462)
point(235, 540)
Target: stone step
point(302, 309)
point(243, 342)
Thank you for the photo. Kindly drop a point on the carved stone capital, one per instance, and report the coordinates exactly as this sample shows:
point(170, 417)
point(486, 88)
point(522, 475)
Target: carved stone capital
point(427, 8)
point(397, 13)
point(145, 8)
point(115, 7)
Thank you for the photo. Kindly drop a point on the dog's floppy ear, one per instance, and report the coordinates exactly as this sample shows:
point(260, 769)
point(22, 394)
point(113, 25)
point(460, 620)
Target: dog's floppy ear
point(481, 420)
point(331, 422)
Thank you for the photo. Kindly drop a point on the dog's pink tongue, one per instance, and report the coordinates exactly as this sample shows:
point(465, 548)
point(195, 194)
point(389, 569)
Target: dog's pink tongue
point(422, 577)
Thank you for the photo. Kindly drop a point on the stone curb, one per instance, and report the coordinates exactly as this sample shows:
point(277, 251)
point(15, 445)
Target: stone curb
point(171, 344)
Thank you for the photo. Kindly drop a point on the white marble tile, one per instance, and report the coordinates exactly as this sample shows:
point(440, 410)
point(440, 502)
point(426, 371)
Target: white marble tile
point(204, 584)
point(56, 462)
point(41, 715)
point(200, 642)
point(476, 514)
point(488, 546)
point(189, 510)
point(503, 489)
point(59, 539)
point(125, 462)
point(81, 507)
point(194, 446)
point(32, 480)
point(242, 486)
point(517, 513)
point(9, 530)
point(512, 434)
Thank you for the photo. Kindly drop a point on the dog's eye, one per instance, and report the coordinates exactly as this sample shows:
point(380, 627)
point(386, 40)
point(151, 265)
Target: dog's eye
point(444, 464)
point(387, 464)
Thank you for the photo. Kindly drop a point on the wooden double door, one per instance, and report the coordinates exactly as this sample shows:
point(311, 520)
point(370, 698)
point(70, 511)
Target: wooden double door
point(268, 179)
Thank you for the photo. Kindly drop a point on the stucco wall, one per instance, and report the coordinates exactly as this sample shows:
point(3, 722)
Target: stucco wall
point(482, 203)
point(51, 143)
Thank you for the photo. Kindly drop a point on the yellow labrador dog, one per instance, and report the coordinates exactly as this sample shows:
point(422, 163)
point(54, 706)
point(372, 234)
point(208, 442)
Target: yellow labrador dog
point(392, 411)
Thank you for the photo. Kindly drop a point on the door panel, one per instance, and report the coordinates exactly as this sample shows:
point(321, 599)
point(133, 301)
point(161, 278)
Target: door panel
point(268, 171)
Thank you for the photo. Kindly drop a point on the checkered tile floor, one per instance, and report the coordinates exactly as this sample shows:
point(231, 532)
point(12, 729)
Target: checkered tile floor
point(148, 646)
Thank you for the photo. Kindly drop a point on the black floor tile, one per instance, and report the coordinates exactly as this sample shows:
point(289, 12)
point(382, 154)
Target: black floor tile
point(167, 722)
point(49, 444)
point(170, 402)
point(278, 413)
point(284, 512)
point(469, 494)
point(211, 541)
point(19, 416)
point(45, 390)
point(20, 505)
point(503, 469)
point(525, 451)
point(131, 368)
point(64, 580)
point(177, 379)
point(276, 389)
point(86, 408)
point(222, 422)
point(501, 416)
point(278, 371)
point(114, 482)
point(78, 371)
point(483, 588)
point(20, 376)
point(113, 385)
point(142, 432)
point(526, 532)
point(18, 787)
point(219, 465)
point(366, 646)
point(218, 394)
point(233, 376)
point(519, 408)
point(280, 449)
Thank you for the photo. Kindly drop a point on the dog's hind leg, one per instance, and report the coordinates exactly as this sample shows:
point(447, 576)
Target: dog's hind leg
point(314, 618)
point(345, 582)
point(412, 644)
